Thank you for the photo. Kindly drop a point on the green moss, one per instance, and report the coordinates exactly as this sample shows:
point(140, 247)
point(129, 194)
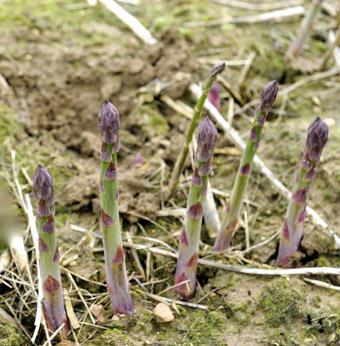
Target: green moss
point(151, 121)
point(282, 302)
point(10, 336)
point(9, 125)
point(111, 337)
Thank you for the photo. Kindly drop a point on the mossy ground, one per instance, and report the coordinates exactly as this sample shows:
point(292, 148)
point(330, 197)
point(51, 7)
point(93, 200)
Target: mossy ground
point(63, 58)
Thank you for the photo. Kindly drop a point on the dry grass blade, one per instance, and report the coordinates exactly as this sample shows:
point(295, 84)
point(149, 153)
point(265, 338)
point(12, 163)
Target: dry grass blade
point(133, 23)
point(276, 16)
point(173, 301)
point(263, 6)
point(70, 312)
point(322, 284)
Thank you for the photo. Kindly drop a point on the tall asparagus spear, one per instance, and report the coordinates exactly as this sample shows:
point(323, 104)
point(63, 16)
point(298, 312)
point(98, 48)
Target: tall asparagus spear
point(190, 236)
point(230, 219)
point(53, 301)
point(293, 224)
point(116, 277)
point(179, 165)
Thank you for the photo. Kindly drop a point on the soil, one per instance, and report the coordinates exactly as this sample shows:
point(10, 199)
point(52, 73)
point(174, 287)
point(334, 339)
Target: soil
point(61, 59)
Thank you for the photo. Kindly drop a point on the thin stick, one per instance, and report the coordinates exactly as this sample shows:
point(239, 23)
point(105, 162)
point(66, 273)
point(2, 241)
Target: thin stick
point(48, 342)
point(242, 270)
point(173, 301)
point(246, 229)
point(334, 42)
point(246, 68)
point(133, 23)
point(229, 88)
point(322, 284)
point(70, 312)
point(314, 78)
point(232, 268)
point(135, 256)
point(257, 7)
point(236, 138)
point(258, 245)
point(70, 277)
point(276, 16)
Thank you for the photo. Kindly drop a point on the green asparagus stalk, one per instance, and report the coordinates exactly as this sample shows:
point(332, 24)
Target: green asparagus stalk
point(230, 220)
point(185, 277)
point(116, 277)
point(293, 224)
point(53, 301)
point(179, 165)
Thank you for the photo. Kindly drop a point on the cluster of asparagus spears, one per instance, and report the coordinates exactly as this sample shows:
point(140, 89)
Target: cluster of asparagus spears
point(185, 277)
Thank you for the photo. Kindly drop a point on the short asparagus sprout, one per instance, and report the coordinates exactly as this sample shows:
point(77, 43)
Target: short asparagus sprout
point(116, 277)
point(53, 301)
point(185, 278)
point(180, 162)
point(230, 220)
point(293, 224)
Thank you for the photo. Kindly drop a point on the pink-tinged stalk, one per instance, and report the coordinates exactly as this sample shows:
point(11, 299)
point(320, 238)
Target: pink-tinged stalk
point(230, 220)
point(53, 301)
point(293, 223)
point(185, 278)
point(115, 269)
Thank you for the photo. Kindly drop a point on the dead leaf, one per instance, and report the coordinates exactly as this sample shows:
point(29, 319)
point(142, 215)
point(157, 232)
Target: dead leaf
point(98, 311)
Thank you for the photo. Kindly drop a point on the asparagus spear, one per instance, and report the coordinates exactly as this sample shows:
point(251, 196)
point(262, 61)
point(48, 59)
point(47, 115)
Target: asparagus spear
point(116, 277)
point(53, 301)
point(230, 219)
point(293, 224)
point(179, 165)
point(185, 278)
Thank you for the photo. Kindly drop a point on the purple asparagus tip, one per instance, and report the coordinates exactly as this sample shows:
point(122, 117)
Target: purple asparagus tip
point(316, 139)
point(108, 124)
point(214, 96)
point(268, 96)
point(43, 186)
point(206, 140)
point(217, 69)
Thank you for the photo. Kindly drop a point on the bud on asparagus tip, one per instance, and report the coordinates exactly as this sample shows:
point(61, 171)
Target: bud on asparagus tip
point(108, 123)
point(268, 96)
point(217, 69)
point(316, 139)
point(42, 184)
point(206, 139)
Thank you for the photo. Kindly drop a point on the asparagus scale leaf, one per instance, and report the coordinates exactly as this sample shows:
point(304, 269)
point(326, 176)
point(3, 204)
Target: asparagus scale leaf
point(53, 301)
point(116, 277)
point(185, 277)
point(230, 219)
point(291, 232)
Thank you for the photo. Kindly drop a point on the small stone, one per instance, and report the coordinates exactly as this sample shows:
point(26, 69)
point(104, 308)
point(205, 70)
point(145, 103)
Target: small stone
point(98, 311)
point(164, 312)
point(115, 318)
